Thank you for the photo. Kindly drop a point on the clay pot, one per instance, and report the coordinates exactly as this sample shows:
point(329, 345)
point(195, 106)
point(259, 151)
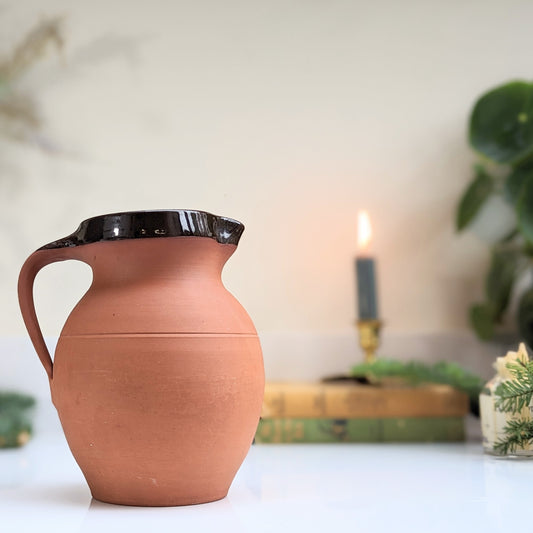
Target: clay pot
point(158, 374)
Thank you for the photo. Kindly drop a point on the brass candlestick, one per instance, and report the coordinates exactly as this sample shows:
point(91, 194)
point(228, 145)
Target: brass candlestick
point(369, 337)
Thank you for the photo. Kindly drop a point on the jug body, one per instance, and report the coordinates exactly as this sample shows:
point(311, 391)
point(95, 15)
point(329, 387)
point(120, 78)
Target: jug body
point(158, 374)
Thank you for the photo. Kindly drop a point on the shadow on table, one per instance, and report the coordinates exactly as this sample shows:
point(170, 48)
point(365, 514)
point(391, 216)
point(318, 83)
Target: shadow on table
point(73, 495)
point(214, 516)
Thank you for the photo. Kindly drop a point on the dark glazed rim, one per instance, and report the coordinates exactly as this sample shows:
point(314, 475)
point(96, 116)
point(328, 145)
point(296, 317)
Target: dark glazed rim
point(152, 224)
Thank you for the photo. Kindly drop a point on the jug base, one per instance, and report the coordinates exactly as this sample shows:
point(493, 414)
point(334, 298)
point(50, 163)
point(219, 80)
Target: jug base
point(158, 501)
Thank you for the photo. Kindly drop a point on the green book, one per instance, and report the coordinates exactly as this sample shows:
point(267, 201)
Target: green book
point(436, 429)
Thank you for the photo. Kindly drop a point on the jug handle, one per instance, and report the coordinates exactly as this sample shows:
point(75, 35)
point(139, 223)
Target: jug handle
point(31, 267)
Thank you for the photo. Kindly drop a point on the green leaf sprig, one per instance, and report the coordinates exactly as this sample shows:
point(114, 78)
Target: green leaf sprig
point(512, 396)
point(518, 433)
point(415, 372)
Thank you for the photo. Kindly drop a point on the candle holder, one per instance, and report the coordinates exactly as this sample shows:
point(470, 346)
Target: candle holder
point(369, 337)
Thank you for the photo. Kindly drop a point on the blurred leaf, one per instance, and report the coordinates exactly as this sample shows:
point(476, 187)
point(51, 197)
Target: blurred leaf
point(525, 317)
point(525, 211)
point(15, 423)
point(509, 237)
point(500, 279)
point(15, 400)
point(474, 197)
point(515, 182)
point(501, 123)
point(527, 250)
point(482, 318)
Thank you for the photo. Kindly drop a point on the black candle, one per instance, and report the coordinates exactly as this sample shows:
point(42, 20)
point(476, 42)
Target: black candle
point(365, 267)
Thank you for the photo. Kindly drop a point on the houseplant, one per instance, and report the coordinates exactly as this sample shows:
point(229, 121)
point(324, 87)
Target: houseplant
point(501, 132)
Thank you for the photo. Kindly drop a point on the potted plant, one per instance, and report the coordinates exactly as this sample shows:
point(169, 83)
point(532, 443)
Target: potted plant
point(501, 132)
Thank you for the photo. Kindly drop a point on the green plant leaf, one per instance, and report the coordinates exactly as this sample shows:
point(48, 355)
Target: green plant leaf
point(501, 123)
point(474, 197)
point(525, 211)
point(525, 317)
point(515, 182)
point(500, 279)
point(482, 319)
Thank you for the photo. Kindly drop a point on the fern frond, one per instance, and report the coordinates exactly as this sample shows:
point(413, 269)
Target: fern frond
point(518, 433)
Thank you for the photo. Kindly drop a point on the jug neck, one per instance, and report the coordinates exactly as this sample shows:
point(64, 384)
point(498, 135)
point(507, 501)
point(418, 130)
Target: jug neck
point(171, 258)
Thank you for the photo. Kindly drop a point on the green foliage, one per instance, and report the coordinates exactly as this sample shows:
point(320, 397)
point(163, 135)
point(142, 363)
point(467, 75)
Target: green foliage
point(525, 316)
point(415, 372)
point(15, 425)
point(482, 320)
point(500, 278)
point(480, 188)
point(518, 433)
point(501, 131)
point(525, 210)
point(501, 124)
point(515, 394)
point(504, 267)
point(515, 182)
point(512, 395)
point(15, 401)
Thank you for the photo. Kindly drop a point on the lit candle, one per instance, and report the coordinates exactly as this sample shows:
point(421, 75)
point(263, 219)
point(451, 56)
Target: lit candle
point(365, 270)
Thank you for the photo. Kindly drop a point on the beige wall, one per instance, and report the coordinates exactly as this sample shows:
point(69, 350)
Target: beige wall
point(287, 115)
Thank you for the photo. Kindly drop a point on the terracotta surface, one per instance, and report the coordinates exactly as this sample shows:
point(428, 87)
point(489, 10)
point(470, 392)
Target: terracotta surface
point(158, 374)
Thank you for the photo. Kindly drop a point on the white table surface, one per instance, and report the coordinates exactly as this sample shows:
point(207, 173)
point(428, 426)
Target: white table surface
point(342, 487)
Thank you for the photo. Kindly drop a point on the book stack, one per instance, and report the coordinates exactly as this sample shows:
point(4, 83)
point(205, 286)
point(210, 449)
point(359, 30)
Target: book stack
point(351, 412)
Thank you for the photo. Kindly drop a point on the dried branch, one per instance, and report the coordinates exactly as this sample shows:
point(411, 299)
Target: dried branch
point(32, 48)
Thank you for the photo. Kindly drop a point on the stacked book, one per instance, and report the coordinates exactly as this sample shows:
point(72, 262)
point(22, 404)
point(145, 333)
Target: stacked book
point(351, 412)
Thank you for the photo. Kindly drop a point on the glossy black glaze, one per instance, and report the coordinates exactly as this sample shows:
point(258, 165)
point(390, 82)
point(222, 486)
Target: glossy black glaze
point(152, 224)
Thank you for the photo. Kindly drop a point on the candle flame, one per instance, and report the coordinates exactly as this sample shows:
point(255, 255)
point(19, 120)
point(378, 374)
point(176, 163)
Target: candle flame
point(364, 230)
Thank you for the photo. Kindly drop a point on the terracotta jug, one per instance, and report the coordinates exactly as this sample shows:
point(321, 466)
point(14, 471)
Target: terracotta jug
point(158, 375)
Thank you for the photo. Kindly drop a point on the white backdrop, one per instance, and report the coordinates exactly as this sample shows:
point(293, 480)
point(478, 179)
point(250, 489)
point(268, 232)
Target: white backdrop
point(287, 115)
